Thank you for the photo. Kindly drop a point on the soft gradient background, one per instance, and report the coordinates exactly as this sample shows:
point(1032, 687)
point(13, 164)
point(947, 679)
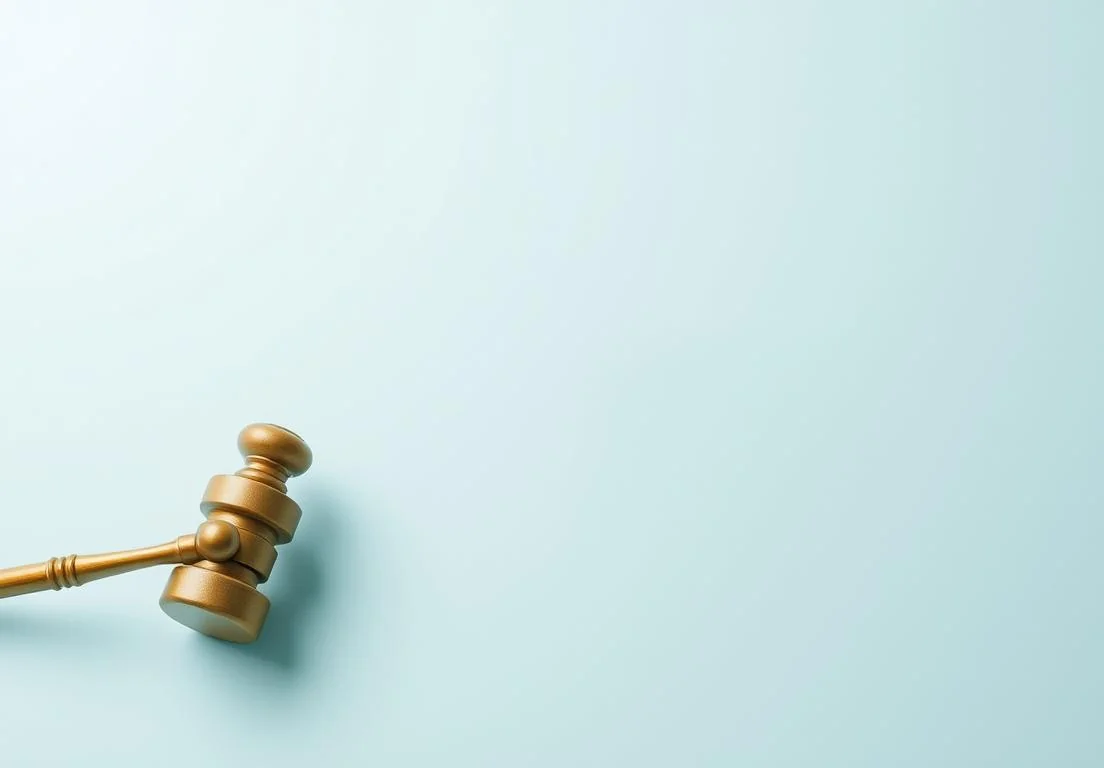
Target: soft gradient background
point(690, 384)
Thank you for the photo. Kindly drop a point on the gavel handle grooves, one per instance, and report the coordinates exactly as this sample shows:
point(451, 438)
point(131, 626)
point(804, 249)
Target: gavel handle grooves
point(77, 570)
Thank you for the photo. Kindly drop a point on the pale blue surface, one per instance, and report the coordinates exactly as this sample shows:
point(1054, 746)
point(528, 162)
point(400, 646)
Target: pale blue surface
point(690, 384)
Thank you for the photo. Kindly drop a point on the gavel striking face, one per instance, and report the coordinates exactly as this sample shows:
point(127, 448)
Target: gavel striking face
point(213, 589)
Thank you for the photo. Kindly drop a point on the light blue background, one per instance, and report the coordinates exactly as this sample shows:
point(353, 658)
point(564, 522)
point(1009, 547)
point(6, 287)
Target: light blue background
point(689, 384)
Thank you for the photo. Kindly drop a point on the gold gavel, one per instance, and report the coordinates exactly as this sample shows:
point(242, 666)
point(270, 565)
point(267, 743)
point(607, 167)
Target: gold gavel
point(214, 588)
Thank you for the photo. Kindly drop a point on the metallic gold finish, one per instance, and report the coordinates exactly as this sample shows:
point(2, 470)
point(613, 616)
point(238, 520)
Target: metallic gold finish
point(213, 589)
point(251, 498)
point(215, 604)
point(217, 540)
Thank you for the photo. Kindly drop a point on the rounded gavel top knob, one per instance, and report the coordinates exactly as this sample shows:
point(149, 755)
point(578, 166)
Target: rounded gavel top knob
point(278, 445)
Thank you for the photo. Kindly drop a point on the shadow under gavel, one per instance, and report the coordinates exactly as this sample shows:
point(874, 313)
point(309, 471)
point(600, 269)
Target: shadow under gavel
point(214, 588)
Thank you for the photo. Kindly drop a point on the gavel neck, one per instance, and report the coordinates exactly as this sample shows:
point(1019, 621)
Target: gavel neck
point(214, 541)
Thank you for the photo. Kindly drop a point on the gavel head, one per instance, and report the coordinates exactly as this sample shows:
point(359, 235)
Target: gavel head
point(220, 599)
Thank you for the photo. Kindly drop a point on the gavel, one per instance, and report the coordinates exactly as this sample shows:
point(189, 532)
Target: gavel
point(213, 589)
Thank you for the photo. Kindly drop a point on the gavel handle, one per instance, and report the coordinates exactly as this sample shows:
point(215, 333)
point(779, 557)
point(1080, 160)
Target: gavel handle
point(215, 541)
